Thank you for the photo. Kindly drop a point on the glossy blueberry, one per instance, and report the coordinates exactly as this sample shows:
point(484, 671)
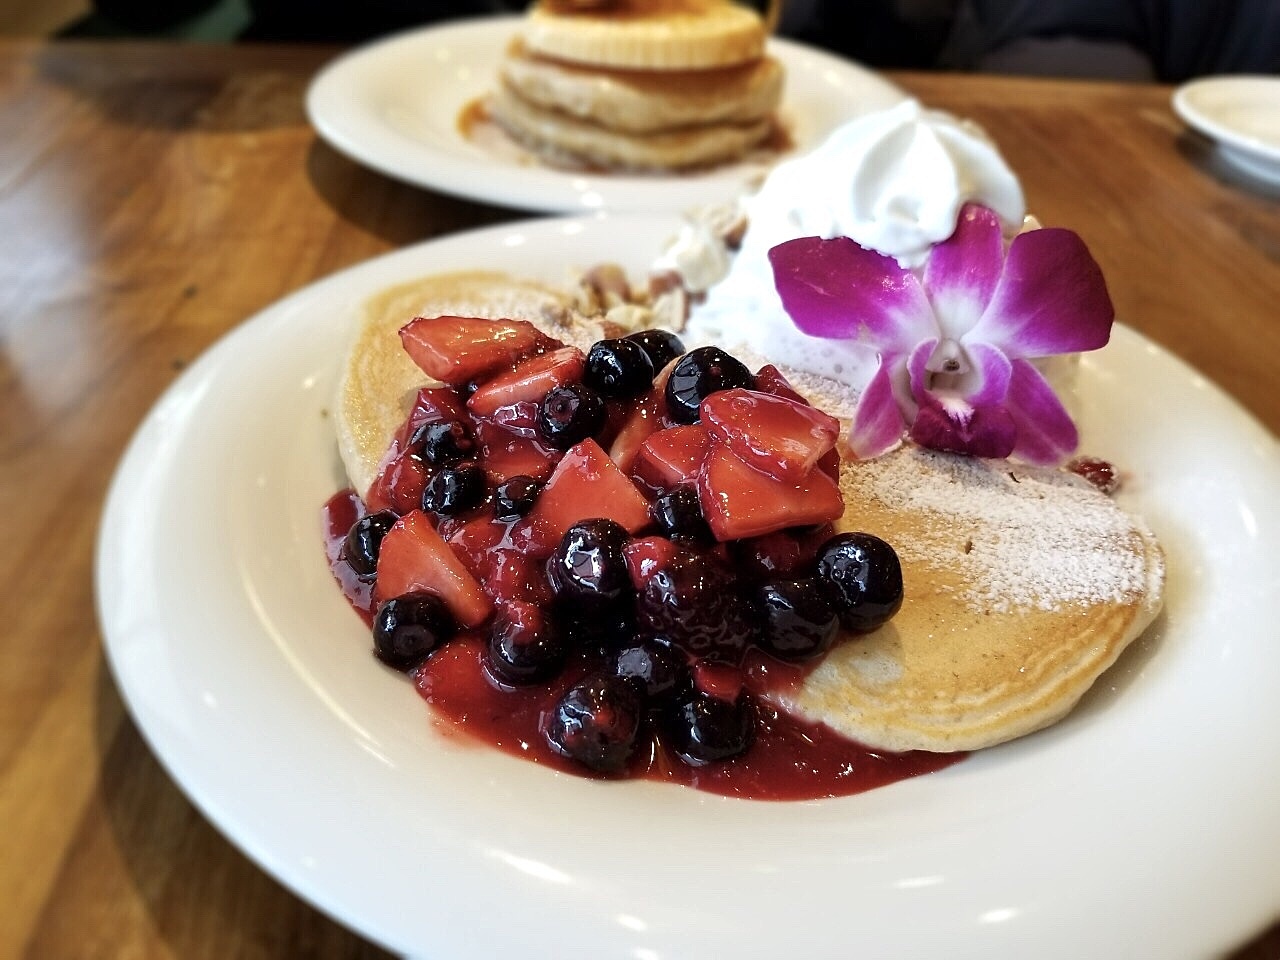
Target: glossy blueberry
point(524, 644)
point(444, 444)
point(678, 514)
point(659, 670)
point(515, 497)
point(618, 368)
point(662, 346)
point(702, 728)
point(589, 564)
point(697, 375)
point(364, 542)
point(595, 625)
point(597, 722)
point(455, 490)
point(407, 628)
point(866, 576)
point(694, 603)
point(799, 621)
point(569, 414)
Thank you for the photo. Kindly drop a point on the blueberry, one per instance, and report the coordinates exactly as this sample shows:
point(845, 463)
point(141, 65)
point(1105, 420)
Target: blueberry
point(524, 645)
point(589, 563)
point(866, 576)
point(662, 346)
point(595, 625)
point(455, 490)
point(659, 670)
point(515, 497)
point(693, 602)
point(678, 514)
point(799, 621)
point(697, 375)
point(702, 728)
point(618, 368)
point(444, 444)
point(407, 628)
point(364, 543)
point(569, 414)
point(597, 722)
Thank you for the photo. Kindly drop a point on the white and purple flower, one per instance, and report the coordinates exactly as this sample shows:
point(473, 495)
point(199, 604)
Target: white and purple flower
point(955, 344)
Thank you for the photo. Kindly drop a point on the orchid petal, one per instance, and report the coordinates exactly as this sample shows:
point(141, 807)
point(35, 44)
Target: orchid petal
point(992, 372)
point(877, 422)
point(917, 371)
point(963, 271)
point(1051, 298)
point(985, 432)
point(1046, 434)
point(838, 290)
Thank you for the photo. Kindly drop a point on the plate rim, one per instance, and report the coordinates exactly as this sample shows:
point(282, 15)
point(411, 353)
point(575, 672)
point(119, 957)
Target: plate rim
point(209, 807)
point(549, 191)
point(1193, 114)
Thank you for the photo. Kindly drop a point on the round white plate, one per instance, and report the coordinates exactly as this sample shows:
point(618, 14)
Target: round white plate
point(1242, 113)
point(394, 106)
point(1142, 825)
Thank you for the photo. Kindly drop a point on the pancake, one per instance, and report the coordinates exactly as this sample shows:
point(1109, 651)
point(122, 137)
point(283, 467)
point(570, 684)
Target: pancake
point(1022, 584)
point(645, 101)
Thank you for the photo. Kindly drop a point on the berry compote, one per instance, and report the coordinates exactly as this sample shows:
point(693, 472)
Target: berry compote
point(571, 569)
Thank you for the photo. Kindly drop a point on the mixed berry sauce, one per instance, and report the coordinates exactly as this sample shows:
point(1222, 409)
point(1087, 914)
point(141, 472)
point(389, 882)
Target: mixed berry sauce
point(609, 563)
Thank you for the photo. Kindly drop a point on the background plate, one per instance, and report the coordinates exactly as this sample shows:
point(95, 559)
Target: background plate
point(394, 105)
point(1142, 825)
point(1242, 114)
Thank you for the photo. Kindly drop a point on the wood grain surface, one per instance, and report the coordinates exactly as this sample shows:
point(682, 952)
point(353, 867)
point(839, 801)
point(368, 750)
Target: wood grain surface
point(152, 196)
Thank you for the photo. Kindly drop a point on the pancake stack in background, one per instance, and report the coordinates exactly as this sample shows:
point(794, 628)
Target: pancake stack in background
point(639, 84)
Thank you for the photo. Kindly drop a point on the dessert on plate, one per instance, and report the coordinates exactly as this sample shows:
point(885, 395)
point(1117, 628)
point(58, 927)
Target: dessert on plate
point(639, 84)
point(637, 552)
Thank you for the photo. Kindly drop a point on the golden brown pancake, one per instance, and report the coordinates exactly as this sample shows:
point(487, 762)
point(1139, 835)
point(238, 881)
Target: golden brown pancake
point(1022, 584)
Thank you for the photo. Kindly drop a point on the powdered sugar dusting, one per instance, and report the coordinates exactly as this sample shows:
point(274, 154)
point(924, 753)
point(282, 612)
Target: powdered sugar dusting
point(1017, 536)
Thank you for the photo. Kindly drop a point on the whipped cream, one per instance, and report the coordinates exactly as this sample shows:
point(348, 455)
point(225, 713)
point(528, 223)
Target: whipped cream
point(893, 181)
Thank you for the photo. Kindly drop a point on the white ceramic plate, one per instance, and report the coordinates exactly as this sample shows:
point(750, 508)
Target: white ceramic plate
point(1242, 113)
point(1142, 825)
point(394, 106)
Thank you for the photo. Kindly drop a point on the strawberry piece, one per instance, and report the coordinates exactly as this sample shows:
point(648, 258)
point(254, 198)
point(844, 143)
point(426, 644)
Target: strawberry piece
point(504, 455)
point(671, 457)
point(432, 405)
point(585, 484)
point(520, 418)
point(720, 680)
point(773, 434)
point(739, 501)
point(399, 483)
point(528, 381)
point(643, 421)
point(414, 557)
point(829, 463)
point(776, 554)
point(647, 555)
point(454, 350)
point(769, 379)
point(472, 539)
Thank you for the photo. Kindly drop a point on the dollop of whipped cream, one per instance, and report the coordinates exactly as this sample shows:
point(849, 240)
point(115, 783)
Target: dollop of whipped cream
point(892, 180)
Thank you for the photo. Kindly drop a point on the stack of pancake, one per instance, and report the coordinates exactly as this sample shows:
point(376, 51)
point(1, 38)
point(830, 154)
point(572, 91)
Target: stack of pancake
point(639, 84)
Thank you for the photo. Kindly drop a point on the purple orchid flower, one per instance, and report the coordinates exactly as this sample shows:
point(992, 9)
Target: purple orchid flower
point(955, 345)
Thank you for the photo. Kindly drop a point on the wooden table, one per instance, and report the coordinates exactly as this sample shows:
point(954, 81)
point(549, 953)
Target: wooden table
point(153, 196)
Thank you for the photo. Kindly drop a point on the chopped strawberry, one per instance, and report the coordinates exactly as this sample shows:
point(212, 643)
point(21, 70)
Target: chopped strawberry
point(528, 381)
point(585, 484)
point(739, 501)
point(647, 555)
point(399, 483)
point(720, 680)
point(432, 405)
point(414, 557)
point(772, 555)
point(671, 457)
point(769, 379)
point(514, 575)
point(472, 539)
point(829, 463)
point(455, 350)
point(781, 437)
point(643, 420)
point(520, 418)
point(504, 455)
